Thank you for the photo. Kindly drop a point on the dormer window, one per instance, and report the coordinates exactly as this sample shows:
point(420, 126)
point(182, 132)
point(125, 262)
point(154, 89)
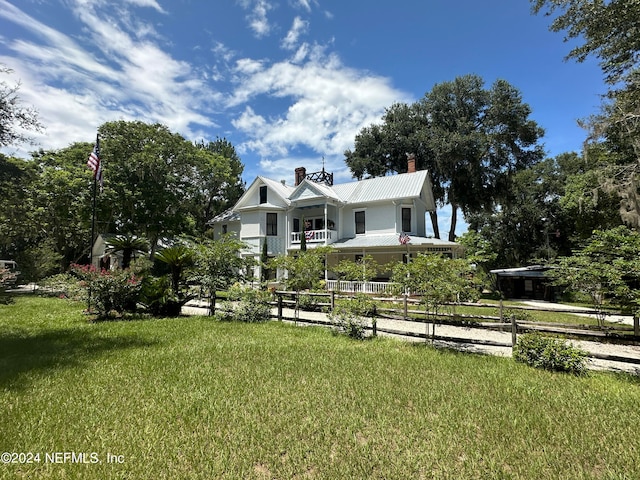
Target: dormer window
point(263, 194)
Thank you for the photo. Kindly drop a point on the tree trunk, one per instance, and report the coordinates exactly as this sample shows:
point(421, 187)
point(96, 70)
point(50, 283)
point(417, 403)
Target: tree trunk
point(127, 253)
point(153, 240)
point(454, 219)
point(434, 224)
point(212, 302)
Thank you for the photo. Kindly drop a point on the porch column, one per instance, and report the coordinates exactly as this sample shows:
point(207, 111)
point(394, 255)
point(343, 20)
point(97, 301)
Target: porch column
point(326, 234)
point(326, 226)
point(287, 238)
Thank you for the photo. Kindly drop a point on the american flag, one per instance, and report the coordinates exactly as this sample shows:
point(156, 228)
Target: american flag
point(308, 235)
point(95, 164)
point(404, 238)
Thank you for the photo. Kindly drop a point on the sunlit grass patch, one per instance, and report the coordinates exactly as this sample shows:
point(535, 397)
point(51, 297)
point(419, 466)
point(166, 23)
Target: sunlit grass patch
point(197, 398)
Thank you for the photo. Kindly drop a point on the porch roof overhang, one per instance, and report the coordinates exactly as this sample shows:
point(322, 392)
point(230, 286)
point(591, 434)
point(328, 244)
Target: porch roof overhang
point(262, 206)
point(390, 242)
point(533, 271)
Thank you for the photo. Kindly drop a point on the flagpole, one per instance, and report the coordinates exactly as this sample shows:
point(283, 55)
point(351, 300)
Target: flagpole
point(93, 218)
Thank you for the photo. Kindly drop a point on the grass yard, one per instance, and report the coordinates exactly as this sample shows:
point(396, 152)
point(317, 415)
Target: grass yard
point(198, 398)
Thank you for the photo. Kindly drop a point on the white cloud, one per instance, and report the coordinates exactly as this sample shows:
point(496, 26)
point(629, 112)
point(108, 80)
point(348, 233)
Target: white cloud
point(298, 28)
point(287, 113)
point(444, 222)
point(302, 53)
point(119, 72)
point(147, 3)
point(224, 52)
point(330, 103)
point(248, 66)
point(257, 18)
point(304, 4)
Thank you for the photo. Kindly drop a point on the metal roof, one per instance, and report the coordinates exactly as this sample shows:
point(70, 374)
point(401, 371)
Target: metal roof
point(283, 190)
point(227, 216)
point(392, 187)
point(530, 271)
point(391, 240)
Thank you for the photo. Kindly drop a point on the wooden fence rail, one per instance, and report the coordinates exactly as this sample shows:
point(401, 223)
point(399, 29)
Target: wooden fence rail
point(404, 310)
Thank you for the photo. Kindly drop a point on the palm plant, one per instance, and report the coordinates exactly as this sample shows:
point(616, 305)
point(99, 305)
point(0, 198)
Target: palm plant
point(178, 258)
point(129, 245)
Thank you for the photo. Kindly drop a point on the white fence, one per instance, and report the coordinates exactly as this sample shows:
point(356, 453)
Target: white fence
point(363, 287)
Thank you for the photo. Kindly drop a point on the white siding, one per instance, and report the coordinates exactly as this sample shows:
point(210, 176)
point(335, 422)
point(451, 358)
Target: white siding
point(349, 223)
point(251, 226)
point(232, 227)
point(379, 219)
point(422, 219)
point(276, 194)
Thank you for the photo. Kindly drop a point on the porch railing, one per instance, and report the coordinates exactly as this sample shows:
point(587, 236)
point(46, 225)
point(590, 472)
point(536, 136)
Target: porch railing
point(362, 287)
point(315, 236)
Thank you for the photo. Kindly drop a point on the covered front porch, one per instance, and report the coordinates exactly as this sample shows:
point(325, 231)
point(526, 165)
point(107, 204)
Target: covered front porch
point(324, 237)
point(386, 250)
point(317, 223)
point(370, 288)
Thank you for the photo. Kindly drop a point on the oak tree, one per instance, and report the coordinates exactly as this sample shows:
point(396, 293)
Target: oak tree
point(472, 140)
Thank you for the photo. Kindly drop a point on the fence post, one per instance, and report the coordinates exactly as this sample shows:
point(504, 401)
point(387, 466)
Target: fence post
point(374, 321)
point(279, 306)
point(514, 330)
point(501, 311)
point(333, 300)
point(405, 306)
point(636, 325)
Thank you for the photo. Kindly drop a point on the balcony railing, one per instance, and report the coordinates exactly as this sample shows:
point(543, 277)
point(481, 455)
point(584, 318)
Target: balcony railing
point(315, 236)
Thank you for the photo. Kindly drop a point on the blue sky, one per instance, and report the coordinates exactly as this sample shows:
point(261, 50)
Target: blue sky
point(288, 82)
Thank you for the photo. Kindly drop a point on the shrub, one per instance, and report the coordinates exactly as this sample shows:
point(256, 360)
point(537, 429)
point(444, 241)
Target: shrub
point(518, 313)
point(63, 285)
point(550, 354)
point(158, 297)
point(350, 316)
point(236, 292)
point(112, 291)
point(308, 302)
point(253, 305)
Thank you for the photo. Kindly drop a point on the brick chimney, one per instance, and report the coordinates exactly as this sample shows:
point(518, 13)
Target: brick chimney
point(300, 174)
point(411, 163)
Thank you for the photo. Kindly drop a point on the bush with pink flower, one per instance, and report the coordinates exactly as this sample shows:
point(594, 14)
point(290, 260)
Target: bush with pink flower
point(112, 292)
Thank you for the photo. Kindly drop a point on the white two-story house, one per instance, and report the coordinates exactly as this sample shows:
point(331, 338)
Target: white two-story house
point(358, 218)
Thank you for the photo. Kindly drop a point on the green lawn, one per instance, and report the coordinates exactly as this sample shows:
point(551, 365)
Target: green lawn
point(198, 398)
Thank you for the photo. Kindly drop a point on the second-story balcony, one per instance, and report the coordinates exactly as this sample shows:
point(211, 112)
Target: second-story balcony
point(325, 236)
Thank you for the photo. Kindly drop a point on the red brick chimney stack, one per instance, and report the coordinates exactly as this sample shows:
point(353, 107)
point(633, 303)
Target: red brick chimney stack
point(300, 173)
point(411, 163)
